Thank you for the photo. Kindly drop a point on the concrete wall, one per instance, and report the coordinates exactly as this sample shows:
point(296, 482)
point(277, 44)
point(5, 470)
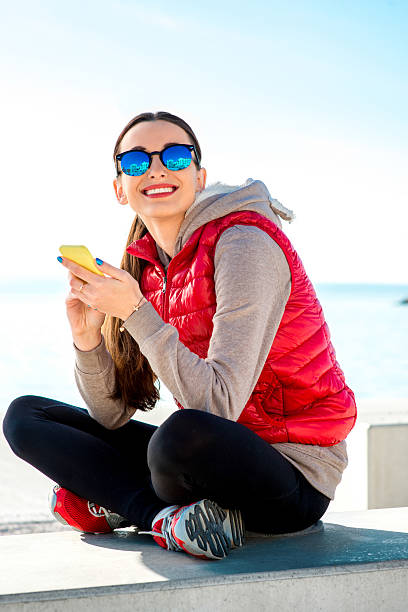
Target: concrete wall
point(387, 479)
point(376, 476)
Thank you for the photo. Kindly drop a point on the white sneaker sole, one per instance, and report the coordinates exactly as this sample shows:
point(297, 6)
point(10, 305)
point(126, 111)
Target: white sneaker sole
point(234, 527)
point(199, 530)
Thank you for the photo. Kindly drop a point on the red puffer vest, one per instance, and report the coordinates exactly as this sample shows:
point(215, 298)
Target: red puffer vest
point(301, 395)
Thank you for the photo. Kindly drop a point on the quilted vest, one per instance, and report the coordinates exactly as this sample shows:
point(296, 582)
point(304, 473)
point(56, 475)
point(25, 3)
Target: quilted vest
point(301, 395)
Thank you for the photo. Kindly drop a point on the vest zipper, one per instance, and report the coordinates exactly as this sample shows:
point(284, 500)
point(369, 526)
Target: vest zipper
point(164, 296)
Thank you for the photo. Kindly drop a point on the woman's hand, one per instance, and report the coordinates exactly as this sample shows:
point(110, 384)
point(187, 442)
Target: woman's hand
point(115, 294)
point(85, 321)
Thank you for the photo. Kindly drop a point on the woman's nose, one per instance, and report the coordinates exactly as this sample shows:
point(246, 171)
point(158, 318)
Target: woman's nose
point(156, 167)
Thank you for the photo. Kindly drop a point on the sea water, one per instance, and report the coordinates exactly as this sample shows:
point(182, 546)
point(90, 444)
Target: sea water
point(368, 326)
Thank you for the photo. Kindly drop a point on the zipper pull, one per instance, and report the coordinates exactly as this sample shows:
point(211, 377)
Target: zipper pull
point(164, 283)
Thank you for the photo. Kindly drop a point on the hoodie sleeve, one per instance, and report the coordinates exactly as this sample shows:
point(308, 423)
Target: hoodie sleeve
point(252, 284)
point(95, 378)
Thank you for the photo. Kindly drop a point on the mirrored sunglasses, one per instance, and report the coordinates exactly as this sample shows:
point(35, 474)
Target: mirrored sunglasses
point(137, 162)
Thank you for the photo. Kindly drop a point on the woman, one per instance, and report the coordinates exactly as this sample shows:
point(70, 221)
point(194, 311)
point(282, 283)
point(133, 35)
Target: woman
point(212, 299)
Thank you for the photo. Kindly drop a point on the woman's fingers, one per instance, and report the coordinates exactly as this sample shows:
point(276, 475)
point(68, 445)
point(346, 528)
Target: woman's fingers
point(90, 277)
point(76, 283)
point(114, 292)
point(106, 268)
point(71, 296)
point(81, 272)
point(83, 293)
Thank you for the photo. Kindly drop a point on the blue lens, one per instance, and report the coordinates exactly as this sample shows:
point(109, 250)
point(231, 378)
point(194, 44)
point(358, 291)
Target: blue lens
point(134, 163)
point(176, 157)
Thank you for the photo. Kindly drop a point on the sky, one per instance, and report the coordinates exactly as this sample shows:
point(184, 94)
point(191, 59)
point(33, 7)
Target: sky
point(309, 97)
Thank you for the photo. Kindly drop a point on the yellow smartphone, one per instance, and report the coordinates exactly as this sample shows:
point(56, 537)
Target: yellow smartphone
point(80, 255)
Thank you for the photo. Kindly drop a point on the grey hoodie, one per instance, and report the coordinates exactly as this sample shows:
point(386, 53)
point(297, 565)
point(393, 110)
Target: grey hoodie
point(252, 285)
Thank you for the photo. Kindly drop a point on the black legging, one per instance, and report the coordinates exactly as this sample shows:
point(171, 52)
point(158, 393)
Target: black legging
point(138, 469)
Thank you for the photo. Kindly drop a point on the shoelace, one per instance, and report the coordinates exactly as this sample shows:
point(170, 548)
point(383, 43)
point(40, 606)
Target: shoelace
point(113, 519)
point(165, 532)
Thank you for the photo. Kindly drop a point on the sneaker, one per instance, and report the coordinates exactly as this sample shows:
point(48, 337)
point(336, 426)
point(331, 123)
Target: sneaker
point(234, 527)
point(81, 514)
point(202, 529)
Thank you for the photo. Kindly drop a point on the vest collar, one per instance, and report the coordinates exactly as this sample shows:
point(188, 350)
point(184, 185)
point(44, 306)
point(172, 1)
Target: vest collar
point(145, 248)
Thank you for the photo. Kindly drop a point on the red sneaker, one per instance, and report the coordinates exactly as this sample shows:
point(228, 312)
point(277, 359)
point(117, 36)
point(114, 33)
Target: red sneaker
point(202, 529)
point(81, 514)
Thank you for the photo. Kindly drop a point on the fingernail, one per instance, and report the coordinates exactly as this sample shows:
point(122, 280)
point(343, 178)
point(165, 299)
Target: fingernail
point(99, 261)
point(59, 259)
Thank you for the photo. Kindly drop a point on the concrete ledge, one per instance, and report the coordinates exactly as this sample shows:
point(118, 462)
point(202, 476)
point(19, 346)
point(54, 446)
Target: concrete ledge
point(377, 587)
point(358, 560)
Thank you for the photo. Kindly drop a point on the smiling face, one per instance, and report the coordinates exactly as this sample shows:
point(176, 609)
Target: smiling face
point(156, 207)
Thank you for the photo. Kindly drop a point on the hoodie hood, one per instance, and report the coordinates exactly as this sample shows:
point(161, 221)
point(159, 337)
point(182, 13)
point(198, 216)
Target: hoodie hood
point(218, 200)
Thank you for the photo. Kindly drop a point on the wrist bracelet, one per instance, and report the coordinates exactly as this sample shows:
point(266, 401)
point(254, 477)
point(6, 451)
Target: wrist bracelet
point(121, 328)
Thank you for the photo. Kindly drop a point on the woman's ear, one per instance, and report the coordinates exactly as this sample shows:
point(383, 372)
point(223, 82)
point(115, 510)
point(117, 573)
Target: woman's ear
point(201, 179)
point(119, 191)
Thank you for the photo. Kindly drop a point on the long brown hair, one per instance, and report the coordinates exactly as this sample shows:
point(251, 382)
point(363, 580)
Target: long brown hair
point(134, 379)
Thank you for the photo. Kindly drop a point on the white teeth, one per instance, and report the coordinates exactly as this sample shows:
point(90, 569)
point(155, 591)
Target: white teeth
point(160, 190)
